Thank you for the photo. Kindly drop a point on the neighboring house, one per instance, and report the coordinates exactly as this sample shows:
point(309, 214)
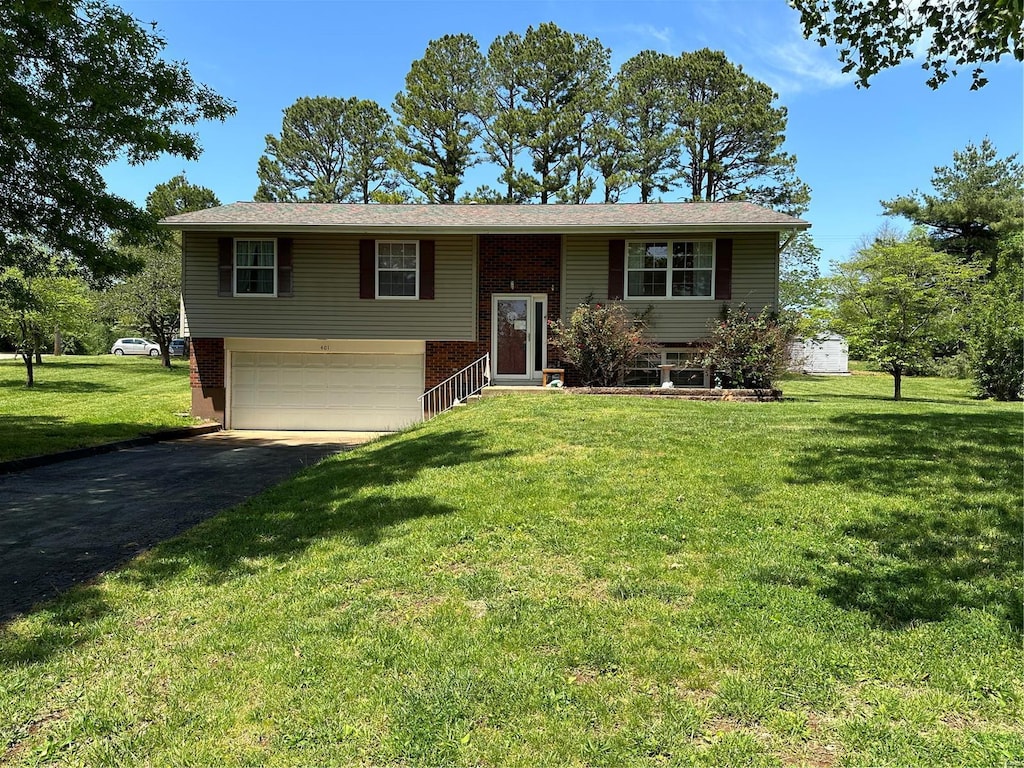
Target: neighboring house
point(315, 316)
point(827, 353)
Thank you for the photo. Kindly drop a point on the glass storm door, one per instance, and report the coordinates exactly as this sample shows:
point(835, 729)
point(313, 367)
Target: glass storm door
point(519, 336)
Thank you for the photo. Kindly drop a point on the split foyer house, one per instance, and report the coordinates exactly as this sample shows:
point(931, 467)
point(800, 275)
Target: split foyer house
point(323, 316)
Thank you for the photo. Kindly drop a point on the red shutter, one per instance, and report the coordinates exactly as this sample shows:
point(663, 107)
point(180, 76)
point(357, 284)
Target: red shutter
point(616, 268)
point(225, 266)
point(367, 278)
point(426, 269)
point(284, 267)
point(723, 268)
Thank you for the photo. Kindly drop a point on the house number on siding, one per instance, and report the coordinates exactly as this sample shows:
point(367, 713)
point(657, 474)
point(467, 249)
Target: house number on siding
point(325, 347)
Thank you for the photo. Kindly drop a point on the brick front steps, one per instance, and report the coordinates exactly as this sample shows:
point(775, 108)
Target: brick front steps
point(677, 393)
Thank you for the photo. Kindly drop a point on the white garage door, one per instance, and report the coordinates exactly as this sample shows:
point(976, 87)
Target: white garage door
point(289, 390)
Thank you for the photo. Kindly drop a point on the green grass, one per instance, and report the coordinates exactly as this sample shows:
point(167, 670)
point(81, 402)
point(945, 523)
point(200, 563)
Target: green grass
point(82, 401)
point(834, 580)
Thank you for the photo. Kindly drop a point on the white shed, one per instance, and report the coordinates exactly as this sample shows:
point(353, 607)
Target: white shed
point(827, 353)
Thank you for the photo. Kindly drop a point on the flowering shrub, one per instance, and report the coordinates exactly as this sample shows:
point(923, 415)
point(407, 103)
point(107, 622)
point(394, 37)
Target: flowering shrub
point(601, 341)
point(745, 350)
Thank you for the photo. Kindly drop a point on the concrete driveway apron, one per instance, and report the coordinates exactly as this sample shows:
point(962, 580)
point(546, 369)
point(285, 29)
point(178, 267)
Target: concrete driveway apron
point(68, 522)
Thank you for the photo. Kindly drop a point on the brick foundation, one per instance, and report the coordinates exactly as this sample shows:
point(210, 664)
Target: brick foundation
point(445, 358)
point(206, 376)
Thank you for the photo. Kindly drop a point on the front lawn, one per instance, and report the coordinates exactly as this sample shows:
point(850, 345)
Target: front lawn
point(834, 580)
point(82, 401)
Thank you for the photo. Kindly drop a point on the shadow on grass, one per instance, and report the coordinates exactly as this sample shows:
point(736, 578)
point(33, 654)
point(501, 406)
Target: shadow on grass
point(42, 386)
point(356, 496)
point(959, 544)
point(29, 436)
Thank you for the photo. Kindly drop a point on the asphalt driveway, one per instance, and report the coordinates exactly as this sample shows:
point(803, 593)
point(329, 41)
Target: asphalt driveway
point(68, 522)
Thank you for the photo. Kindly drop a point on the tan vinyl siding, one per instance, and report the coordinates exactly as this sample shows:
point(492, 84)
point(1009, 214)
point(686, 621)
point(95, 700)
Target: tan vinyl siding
point(326, 301)
point(754, 282)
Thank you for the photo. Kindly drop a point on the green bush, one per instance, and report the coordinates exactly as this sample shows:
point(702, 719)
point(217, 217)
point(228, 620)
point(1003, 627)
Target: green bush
point(996, 341)
point(600, 341)
point(747, 351)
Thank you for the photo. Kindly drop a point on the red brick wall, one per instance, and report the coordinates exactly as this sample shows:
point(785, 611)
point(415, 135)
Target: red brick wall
point(206, 375)
point(445, 358)
point(532, 263)
point(507, 264)
point(206, 363)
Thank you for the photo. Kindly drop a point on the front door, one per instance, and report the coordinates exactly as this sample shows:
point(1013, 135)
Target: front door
point(519, 336)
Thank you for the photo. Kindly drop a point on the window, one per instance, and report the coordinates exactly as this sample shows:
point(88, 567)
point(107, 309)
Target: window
point(674, 269)
point(255, 267)
point(397, 269)
point(687, 372)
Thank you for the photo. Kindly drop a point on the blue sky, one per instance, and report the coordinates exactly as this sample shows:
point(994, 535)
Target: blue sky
point(854, 147)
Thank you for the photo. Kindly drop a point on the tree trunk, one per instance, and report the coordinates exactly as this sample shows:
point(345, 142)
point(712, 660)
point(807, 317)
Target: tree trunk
point(39, 355)
point(58, 344)
point(29, 372)
point(897, 380)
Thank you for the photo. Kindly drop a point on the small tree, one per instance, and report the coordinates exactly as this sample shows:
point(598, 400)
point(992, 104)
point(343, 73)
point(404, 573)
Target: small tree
point(35, 307)
point(600, 341)
point(898, 300)
point(747, 350)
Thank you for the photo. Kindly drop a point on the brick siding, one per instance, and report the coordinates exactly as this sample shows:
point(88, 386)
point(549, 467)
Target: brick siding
point(206, 363)
point(507, 264)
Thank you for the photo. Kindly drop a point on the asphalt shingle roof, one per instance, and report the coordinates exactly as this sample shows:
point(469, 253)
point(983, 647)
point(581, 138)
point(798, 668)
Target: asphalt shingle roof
point(621, 217)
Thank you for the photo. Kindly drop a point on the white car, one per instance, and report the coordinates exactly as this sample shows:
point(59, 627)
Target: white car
point(135, 347)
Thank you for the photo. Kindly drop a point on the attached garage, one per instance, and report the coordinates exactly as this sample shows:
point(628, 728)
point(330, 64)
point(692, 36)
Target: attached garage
point(343, 385)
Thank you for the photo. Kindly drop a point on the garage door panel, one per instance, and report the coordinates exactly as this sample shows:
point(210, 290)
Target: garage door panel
point(283, 390)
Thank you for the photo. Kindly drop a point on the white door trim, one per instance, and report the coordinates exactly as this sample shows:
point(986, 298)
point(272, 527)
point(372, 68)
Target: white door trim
point(534, 335)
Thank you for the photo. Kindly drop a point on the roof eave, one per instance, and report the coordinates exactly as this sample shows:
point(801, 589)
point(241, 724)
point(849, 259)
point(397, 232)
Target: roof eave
point(405, 229)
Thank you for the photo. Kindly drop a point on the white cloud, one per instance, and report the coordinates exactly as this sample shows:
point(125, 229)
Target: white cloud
point(797, 66)
point(662, 34)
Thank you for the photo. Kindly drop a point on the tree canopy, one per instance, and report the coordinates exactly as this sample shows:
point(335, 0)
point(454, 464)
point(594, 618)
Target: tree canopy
point(732, 135)
point(976, 201)
point(437, 117)
point(898, 300)
point(82, 84)
point(544, 111)
point(876, 34)
point(149, 301)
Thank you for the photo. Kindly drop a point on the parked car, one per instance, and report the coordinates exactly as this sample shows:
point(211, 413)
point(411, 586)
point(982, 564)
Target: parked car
point(177, 347)
point(135, 347)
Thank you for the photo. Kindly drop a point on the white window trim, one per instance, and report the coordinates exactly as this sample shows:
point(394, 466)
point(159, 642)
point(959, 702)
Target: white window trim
point(234, 267)
point(668, 270)
point(662, 354)
point(376, 270)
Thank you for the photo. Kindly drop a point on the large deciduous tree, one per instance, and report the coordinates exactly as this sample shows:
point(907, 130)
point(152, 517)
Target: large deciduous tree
point(82, 83)
point(437, 116)
point(899, 300)
point(801, 289)
point(149, 301)
point(733, 135)
point(873, 35)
